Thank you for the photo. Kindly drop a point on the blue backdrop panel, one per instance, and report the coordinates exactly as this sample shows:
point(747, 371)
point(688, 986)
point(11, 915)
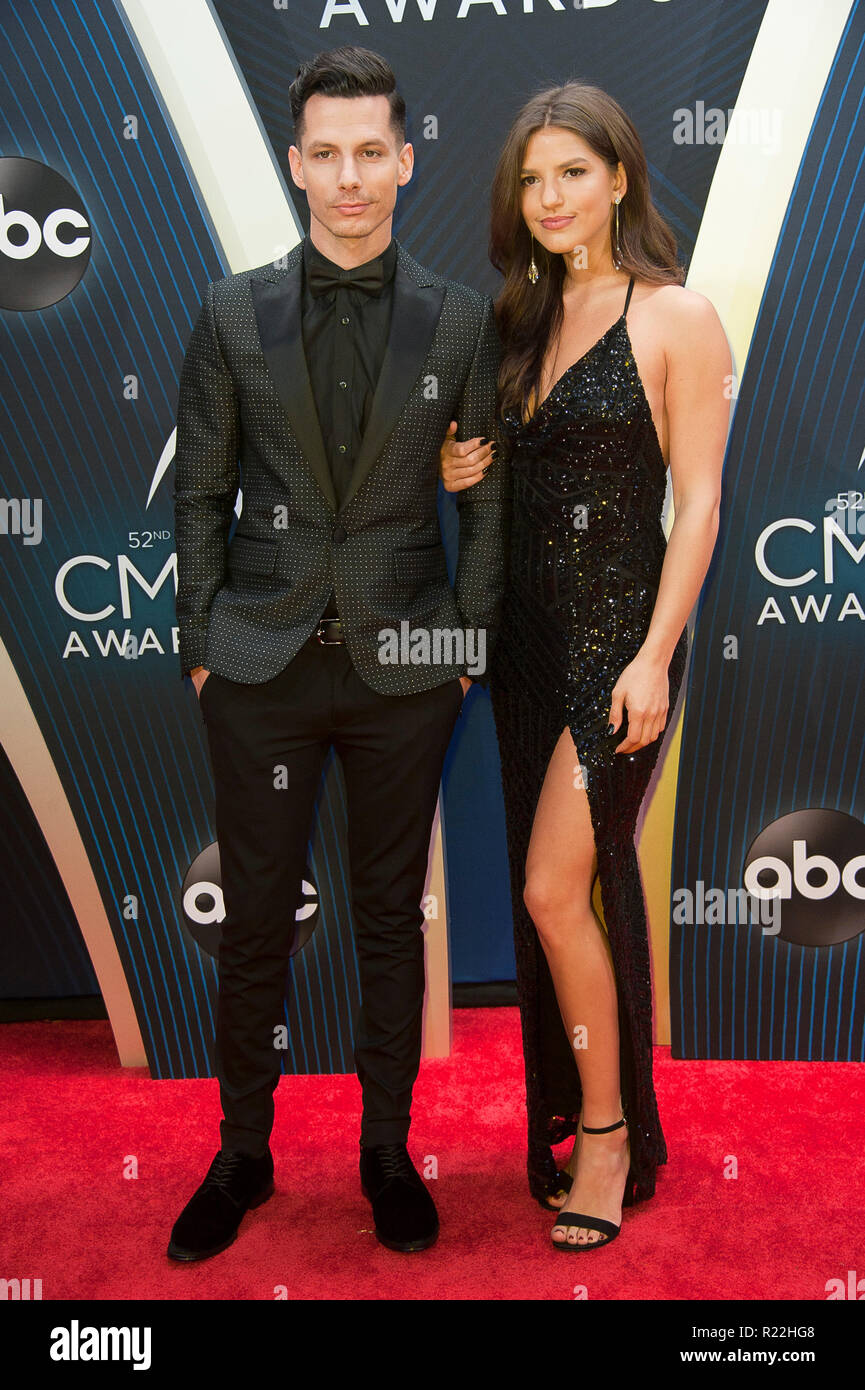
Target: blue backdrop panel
point(774, 717)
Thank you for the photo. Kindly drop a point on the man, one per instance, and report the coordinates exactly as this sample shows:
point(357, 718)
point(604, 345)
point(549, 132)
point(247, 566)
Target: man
point(325, 385)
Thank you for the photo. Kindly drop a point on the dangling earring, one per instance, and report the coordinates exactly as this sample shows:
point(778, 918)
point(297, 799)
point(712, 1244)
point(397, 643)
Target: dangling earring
point(617, 258)
point(533, 270)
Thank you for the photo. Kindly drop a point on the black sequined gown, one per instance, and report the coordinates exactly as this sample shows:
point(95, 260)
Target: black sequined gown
point(587, 546)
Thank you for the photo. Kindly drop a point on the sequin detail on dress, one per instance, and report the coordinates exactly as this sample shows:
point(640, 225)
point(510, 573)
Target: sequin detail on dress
point(587, 547)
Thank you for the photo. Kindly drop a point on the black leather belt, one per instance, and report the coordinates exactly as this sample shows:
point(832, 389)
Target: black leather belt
point(329, 632)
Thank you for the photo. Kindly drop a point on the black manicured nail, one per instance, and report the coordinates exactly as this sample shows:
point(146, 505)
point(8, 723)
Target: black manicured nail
point(611, 729)
point(486, 441)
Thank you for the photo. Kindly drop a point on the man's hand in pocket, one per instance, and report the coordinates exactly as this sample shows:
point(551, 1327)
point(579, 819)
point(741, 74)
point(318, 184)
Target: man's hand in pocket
point(199, 675)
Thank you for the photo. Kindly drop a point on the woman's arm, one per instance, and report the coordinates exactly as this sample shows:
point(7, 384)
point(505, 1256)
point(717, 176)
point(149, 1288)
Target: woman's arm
point(697, 402)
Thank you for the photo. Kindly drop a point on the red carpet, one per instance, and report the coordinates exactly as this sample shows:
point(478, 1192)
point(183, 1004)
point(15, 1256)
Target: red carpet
point(74, 1121)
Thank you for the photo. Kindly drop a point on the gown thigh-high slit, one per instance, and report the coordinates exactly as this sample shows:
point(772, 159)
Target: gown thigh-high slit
point(586, 551)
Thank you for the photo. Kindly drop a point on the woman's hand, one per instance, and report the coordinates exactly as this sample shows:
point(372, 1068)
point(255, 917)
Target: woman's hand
point(644, 687)
point(462, 465)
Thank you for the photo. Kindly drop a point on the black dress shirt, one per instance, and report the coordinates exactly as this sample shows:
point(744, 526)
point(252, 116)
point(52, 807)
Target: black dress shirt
point(345, 332)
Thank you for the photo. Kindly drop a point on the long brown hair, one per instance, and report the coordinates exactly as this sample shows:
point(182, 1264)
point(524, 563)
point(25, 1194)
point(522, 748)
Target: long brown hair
point(529, 316)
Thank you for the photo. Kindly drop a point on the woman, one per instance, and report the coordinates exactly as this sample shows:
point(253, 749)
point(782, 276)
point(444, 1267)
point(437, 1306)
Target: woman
point(611, 372)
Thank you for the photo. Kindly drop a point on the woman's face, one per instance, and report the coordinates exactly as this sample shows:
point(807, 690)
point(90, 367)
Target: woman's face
point(567, 193)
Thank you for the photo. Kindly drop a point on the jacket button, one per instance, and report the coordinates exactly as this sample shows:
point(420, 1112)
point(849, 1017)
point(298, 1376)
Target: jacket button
point(340, 534)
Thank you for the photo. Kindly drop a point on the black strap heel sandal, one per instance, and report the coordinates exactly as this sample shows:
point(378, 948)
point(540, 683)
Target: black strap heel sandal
point(591, 1223)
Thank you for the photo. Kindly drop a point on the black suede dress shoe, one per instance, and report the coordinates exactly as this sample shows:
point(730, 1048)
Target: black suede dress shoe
point(404, 1212)
point(235, 1182)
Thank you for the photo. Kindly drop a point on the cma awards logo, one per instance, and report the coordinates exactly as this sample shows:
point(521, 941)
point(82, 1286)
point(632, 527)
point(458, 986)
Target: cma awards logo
point(204, 908)
point(45, 235)
point(94, 580)
point(834, 539)
point(814, 862)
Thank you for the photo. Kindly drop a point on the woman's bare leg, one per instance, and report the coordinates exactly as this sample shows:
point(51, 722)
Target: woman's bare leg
point(560, 869)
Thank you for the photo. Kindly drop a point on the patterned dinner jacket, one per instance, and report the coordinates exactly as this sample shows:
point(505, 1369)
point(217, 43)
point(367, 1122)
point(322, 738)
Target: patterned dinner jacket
point(246, 418)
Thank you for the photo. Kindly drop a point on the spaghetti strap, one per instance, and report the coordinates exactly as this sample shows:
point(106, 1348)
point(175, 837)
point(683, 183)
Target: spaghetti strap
point(628, 297)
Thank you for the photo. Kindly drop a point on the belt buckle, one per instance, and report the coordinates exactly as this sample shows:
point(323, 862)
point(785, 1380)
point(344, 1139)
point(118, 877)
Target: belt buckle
point(328, 624)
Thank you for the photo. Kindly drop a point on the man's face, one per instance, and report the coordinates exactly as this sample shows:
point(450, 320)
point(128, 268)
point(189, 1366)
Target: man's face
point(350, 165)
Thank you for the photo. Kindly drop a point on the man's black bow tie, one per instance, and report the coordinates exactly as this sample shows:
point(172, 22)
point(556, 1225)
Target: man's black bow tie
point(322, 278)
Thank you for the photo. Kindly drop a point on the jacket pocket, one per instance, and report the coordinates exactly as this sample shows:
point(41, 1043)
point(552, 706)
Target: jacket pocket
point(247, 555)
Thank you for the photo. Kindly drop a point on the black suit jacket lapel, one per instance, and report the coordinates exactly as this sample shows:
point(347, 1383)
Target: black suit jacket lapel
point(416, 309)
point(277, 304)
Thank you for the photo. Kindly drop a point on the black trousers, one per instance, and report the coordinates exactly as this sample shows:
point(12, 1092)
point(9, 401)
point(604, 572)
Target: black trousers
point(392, 750)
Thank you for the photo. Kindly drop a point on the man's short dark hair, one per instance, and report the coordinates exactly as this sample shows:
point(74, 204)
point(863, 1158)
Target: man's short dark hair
point(347, 72)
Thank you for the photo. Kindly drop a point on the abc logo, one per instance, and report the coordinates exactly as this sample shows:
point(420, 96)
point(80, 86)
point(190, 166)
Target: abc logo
point(44, 235)
point(814, 862)
point(204, 909)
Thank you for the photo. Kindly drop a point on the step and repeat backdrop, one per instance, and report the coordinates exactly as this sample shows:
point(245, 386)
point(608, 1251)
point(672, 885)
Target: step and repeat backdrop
point(142, 154)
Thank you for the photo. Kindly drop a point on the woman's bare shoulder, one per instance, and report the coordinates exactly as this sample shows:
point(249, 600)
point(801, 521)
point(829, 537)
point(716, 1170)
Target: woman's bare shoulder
point(683, 320)
point(678, 307)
